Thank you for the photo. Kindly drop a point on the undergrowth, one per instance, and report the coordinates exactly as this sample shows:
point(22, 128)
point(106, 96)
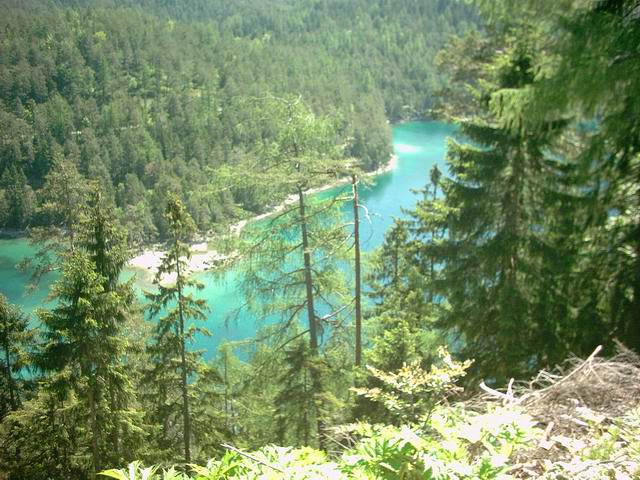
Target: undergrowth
point(579, 424)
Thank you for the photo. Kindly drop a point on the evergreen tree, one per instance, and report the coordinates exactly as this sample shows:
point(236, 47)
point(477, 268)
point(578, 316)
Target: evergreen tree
point(404, 284)
point(596, 54)
point(208, 412)
point(591, 55)
point(44, 439)
point(252, 386)
point(290, 265)
point(84, 336)
point(16, 341)
point(63, 197)
point(19, 200)
point(401, 315)
point(296, 395)
point(495, 262)
point(173, 365)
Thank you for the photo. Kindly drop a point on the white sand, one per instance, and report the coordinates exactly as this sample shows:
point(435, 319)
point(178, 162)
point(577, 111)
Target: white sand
point(148, 260)
point(203, 259)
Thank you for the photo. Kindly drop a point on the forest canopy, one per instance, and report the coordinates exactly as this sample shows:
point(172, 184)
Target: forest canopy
point(149, 98)
point(493, 334)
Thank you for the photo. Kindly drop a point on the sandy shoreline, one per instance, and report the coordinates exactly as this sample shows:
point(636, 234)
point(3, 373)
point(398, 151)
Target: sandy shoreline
point(203, 259)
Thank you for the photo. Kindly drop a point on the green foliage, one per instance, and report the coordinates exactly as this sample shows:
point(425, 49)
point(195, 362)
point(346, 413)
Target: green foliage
point(404, 278)
point(230, 464)
point(411, 394)
point(595, 58)
point(18, 200)
point(290, 267)
point(146, 98)
point(526, 250)
point(16, 345)
point(170, 393)
point(45, 438)
point(574, 77)
point(63, 197)
point(134, 472)
point(493, 263)
point(459, 444)
point(296, 395)
point(498, 251)
point(456, 444)
point(84, 347)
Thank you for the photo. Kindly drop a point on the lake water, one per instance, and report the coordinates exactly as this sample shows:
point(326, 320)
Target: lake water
point(419, 145)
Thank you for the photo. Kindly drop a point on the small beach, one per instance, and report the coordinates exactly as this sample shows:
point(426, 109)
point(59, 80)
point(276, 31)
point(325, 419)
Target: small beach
point(203, 258)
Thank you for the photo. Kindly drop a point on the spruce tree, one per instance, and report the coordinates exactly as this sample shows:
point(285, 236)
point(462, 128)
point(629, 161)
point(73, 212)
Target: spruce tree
point(494, 253)
point(17, 341)
point(404, 282)
point(84, 335)
point(597, 79)
point(19, 200)
point(45, 439)
point(174, 303)
point(589, 76)
point(400, 318)
point(62, 199)
point(296, 395)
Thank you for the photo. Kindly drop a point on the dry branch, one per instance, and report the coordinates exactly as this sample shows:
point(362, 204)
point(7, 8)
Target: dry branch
point(568, 401)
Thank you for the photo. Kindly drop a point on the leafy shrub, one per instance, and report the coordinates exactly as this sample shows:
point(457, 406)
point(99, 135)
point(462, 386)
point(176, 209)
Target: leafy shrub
point(410, 394)
point(437, 441)
point(455, 444)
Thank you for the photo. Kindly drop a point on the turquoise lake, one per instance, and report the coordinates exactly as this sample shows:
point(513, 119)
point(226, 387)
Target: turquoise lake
point(419, 145)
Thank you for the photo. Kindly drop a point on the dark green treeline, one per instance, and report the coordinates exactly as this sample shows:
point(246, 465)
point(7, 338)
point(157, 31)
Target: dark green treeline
point(530, 251)
point(144, 100)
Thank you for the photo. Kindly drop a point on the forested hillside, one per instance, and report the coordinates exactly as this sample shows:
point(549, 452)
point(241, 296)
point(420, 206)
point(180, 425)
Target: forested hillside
point(495, 332)
point(148, 98)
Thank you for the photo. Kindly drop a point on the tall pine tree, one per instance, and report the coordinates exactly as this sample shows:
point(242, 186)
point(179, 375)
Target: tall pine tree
point(496, 261)
point(290, 265)
point(174, 303)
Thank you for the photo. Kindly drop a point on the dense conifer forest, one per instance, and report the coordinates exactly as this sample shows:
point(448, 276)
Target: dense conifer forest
point(149, 98)
point(494, 334)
